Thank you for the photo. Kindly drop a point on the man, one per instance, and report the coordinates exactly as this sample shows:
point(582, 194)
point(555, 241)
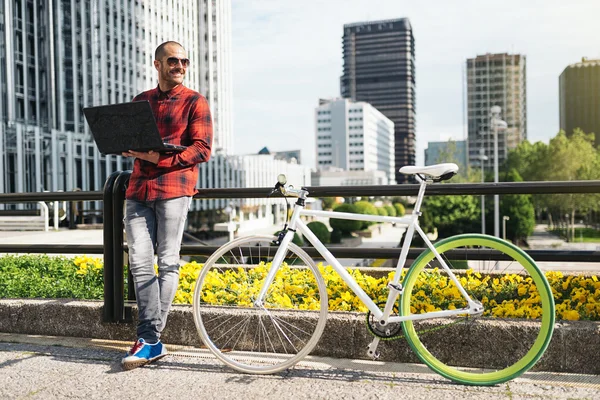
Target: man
point(159, 196)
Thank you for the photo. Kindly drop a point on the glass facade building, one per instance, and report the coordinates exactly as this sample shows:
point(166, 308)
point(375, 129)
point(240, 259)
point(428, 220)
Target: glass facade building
point(495, 80)
point(379, 68)
point(58, 56)
point(579, 86)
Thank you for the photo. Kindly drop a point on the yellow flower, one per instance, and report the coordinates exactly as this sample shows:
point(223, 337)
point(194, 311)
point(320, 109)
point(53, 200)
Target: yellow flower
point(571, 315)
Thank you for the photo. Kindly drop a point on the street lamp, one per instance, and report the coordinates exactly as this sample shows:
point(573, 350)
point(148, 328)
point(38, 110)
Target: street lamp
point(504, 219)
point(495, 124)
point(482, 157)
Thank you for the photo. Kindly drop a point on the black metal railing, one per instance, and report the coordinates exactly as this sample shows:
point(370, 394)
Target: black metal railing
point(114, 249)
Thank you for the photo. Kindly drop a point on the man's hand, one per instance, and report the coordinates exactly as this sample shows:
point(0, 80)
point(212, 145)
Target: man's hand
point(151, 156)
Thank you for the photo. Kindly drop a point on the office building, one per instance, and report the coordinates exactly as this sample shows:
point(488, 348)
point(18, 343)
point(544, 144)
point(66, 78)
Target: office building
point(495, 80)
point(579, 90)
point(336, 177)
point(59, 56)
point(354, 136)
point(451, 151)
point(291, 156)
point(379, 68)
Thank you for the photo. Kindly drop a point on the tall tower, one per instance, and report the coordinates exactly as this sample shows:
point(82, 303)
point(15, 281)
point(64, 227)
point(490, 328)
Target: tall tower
point(379, 68)
point(58, 56)
point(579, 87)
point(495, 80)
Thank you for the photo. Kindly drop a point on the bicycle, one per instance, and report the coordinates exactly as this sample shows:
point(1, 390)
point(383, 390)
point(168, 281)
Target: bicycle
point(250, 295)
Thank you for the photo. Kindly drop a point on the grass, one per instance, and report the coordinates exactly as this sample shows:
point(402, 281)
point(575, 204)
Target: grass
point(582, 235)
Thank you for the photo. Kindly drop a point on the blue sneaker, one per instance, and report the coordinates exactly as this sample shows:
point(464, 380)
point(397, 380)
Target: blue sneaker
point(143, 353)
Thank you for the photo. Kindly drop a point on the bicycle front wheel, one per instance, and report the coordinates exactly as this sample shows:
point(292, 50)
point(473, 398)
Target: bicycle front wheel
point(514, 329)
point(259, 336)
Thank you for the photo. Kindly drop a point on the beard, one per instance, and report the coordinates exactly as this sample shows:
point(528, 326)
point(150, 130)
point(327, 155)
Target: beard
point(171, 76)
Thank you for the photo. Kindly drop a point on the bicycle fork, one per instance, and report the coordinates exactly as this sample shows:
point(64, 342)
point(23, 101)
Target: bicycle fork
point(275, 264)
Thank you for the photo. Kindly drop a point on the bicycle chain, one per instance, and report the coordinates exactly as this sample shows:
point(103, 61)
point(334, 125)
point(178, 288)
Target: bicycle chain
point(373, 331)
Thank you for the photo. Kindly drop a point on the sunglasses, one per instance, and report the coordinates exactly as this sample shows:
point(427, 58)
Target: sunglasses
point(174, 61)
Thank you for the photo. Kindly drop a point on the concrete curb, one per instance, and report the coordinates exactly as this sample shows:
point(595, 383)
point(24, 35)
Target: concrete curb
point(573, 348)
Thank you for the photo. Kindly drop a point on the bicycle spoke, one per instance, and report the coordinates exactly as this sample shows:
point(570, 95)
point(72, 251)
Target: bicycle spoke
point(500, 278)
point(279, 326)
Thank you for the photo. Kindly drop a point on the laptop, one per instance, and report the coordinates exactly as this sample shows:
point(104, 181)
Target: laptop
point(118, 128)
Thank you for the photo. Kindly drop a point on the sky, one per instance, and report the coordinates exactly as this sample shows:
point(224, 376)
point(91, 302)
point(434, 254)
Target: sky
point(286, 55)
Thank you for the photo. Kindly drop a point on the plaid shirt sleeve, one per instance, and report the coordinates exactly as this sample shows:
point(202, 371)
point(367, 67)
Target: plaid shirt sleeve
point(200, 133)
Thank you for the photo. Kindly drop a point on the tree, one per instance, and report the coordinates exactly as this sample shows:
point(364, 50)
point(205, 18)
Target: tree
point(451, 215)
point(573, 158)
point(519, 208)
point(451, 154)
point(565, 158)
point(530, 160)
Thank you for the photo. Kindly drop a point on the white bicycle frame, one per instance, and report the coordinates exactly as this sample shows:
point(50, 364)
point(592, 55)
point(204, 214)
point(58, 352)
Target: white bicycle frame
point(412, 224)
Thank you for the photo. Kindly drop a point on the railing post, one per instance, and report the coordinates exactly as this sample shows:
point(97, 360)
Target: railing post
point(109, 286)
point(44, 213)
point(118, 249)
point(74, 211)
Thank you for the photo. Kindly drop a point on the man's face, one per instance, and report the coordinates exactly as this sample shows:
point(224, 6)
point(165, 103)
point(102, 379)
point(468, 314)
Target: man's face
point(171, 67)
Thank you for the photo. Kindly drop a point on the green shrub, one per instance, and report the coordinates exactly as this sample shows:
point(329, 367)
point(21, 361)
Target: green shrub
point(346, 225)
point(336, 236)
point(391, 210)
point(30, 276)
point(320, 230)
point(296, 240)
point(364, 207)
point(400, 199)
point(400, 211)
point(327, 202)
point(382, 211)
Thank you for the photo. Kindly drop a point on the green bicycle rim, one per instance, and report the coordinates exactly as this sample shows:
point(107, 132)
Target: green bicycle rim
point(495, 377)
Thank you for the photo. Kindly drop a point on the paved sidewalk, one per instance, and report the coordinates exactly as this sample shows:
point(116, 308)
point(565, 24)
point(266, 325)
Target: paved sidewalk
point(386, 236)
point(41, 367)
point(541, 239)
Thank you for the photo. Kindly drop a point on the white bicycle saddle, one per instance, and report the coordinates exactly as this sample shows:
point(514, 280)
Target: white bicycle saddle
point(435, 171)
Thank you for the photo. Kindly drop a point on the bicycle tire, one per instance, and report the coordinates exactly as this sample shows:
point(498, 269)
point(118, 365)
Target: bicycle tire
point(527, 339)
point(267, 338)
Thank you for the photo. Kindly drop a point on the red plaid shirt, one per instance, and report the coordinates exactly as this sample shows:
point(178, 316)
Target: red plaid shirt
point(183, 118)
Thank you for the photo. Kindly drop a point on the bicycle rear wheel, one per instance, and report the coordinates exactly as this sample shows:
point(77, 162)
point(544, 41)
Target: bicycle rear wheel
point(245, 334)
point(518, 318)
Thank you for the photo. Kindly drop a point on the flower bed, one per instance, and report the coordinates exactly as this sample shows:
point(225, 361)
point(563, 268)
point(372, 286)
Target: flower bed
point(505, 296)
point(508, 296)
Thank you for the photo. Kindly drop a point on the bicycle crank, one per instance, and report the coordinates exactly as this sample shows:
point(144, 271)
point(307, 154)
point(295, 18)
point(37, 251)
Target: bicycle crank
point(389, 331)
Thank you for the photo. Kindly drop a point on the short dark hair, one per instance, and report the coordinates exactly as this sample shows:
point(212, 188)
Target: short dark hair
point(160, 50)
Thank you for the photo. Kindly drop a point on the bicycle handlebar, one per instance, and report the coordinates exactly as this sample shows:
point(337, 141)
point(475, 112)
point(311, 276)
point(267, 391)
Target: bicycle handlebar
point(290, 191)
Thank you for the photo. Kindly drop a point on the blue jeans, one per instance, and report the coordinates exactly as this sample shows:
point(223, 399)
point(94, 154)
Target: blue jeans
point(150, 226)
